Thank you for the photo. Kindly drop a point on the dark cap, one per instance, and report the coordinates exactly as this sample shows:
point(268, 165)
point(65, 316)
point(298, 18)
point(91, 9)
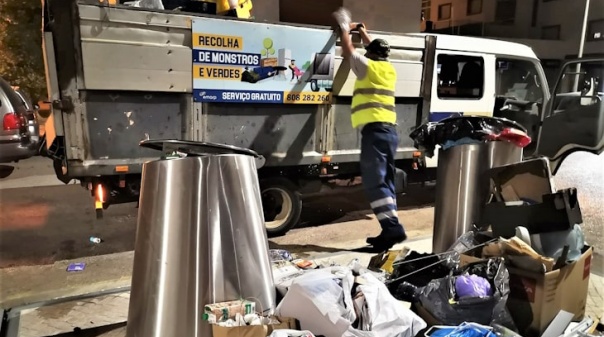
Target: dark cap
point(380, 47)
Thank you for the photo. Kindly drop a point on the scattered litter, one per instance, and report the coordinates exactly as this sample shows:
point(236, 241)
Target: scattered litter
point(94, 239)
point(78, 266)
point(280, 255)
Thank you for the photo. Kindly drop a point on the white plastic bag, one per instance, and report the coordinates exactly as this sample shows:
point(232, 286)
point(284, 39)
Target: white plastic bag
point(291, 333)
point(151, 4)
point(326, 308)
point(386, 318)
point(320, 303)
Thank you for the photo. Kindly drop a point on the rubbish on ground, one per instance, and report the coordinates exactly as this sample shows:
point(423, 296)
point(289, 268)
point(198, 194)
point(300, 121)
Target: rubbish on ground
point(224, 311)
point(558, 211)
point(439, 330)
point(305, 264)
point(284, 273)
point(253, 326)
point(358, 269)
point(557, 327)
point(471, 330)
point(77, 266)
point(526, 180)
point(94, 239)
point(280, 255)
point(381, 314)
point(418, 270)
point(501, 331)
point(291, 333)
point(552, 244)
point(519, 254)
point(539, 289)
point(441, 301)
point(322, 300)
point(587, 326)
point(472, 286)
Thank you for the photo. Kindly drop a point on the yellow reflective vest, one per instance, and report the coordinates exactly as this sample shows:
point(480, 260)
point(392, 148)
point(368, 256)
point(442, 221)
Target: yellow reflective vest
point(373, 97)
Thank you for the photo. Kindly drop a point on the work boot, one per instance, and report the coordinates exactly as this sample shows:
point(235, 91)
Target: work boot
point(384, 242)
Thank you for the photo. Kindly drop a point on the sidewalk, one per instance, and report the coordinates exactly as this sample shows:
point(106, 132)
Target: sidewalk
point(24, 285)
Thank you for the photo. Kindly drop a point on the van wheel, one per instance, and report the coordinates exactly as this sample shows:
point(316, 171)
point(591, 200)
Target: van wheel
point(282, 206)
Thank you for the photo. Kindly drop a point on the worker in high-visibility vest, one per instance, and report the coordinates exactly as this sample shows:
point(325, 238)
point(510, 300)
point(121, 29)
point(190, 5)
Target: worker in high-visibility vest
point(373, 111)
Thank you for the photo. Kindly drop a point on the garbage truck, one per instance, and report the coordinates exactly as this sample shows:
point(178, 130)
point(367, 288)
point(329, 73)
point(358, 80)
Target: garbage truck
point(118, 75)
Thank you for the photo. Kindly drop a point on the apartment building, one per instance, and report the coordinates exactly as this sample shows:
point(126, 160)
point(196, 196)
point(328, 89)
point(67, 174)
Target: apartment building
point(551, 27)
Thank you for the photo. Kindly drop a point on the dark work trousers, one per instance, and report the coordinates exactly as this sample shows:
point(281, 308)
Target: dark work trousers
point(378, 148)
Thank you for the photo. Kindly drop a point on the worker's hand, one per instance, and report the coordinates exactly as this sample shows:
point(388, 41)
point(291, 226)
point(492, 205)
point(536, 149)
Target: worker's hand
point(342, 17)
point(355, 26)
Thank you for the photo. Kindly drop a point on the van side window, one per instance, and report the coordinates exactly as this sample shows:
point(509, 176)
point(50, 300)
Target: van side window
point(460, 76)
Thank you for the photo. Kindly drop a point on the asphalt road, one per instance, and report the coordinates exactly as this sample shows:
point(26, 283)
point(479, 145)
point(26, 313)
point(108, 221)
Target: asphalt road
point(45, 223)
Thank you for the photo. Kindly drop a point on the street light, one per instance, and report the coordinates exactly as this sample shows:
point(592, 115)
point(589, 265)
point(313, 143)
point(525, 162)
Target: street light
point(582, 43)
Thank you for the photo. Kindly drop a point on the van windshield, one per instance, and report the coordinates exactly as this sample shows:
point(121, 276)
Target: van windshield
point(518, 80)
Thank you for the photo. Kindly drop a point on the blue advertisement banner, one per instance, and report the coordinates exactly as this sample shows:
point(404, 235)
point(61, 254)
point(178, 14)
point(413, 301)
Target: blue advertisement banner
point(246, 62)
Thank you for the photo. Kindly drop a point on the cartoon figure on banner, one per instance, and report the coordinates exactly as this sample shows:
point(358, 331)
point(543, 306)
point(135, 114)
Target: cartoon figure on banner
point(296, 72)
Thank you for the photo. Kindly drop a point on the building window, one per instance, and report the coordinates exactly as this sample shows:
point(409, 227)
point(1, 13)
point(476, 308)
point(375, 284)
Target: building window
point(474, 7)
point(444, 12)
point(426, 10)
point(550, 32)
point(505, 11)
point(460, 76)
point(535, 13)
point(595, 30)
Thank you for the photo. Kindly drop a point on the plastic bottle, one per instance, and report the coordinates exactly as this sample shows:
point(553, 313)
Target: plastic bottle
point(94, 239)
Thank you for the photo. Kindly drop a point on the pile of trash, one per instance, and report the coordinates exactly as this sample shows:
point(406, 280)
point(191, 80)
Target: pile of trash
point(527, 279)
point(523, 270)
point(472, 290)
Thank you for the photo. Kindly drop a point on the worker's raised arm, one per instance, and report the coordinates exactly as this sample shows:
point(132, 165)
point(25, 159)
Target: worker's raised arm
point(360, 27)
point(342, 17)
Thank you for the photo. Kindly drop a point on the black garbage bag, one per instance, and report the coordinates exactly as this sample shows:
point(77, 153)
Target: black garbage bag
point(439, 297)
point(464, 130)
point(417, 270)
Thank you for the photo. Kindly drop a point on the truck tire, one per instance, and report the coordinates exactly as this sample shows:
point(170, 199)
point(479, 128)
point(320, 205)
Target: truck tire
point(282, 206)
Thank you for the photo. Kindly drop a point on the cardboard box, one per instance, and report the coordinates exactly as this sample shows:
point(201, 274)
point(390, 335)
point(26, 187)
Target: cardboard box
point(286, 323)
point(535, 299)
point(530, 179)
point(558, 211)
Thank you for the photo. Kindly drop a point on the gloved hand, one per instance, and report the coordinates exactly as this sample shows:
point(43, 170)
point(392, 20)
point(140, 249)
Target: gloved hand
point(342, 16)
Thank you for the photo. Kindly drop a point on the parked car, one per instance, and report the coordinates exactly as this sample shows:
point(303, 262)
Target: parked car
point(33, 125)
point(19, 126)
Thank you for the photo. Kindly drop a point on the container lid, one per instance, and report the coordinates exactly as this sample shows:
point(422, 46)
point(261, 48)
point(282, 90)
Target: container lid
point(193, 148)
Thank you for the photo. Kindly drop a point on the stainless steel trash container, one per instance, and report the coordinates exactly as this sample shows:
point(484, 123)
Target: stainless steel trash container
point(462, 187)
point(200, 239)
